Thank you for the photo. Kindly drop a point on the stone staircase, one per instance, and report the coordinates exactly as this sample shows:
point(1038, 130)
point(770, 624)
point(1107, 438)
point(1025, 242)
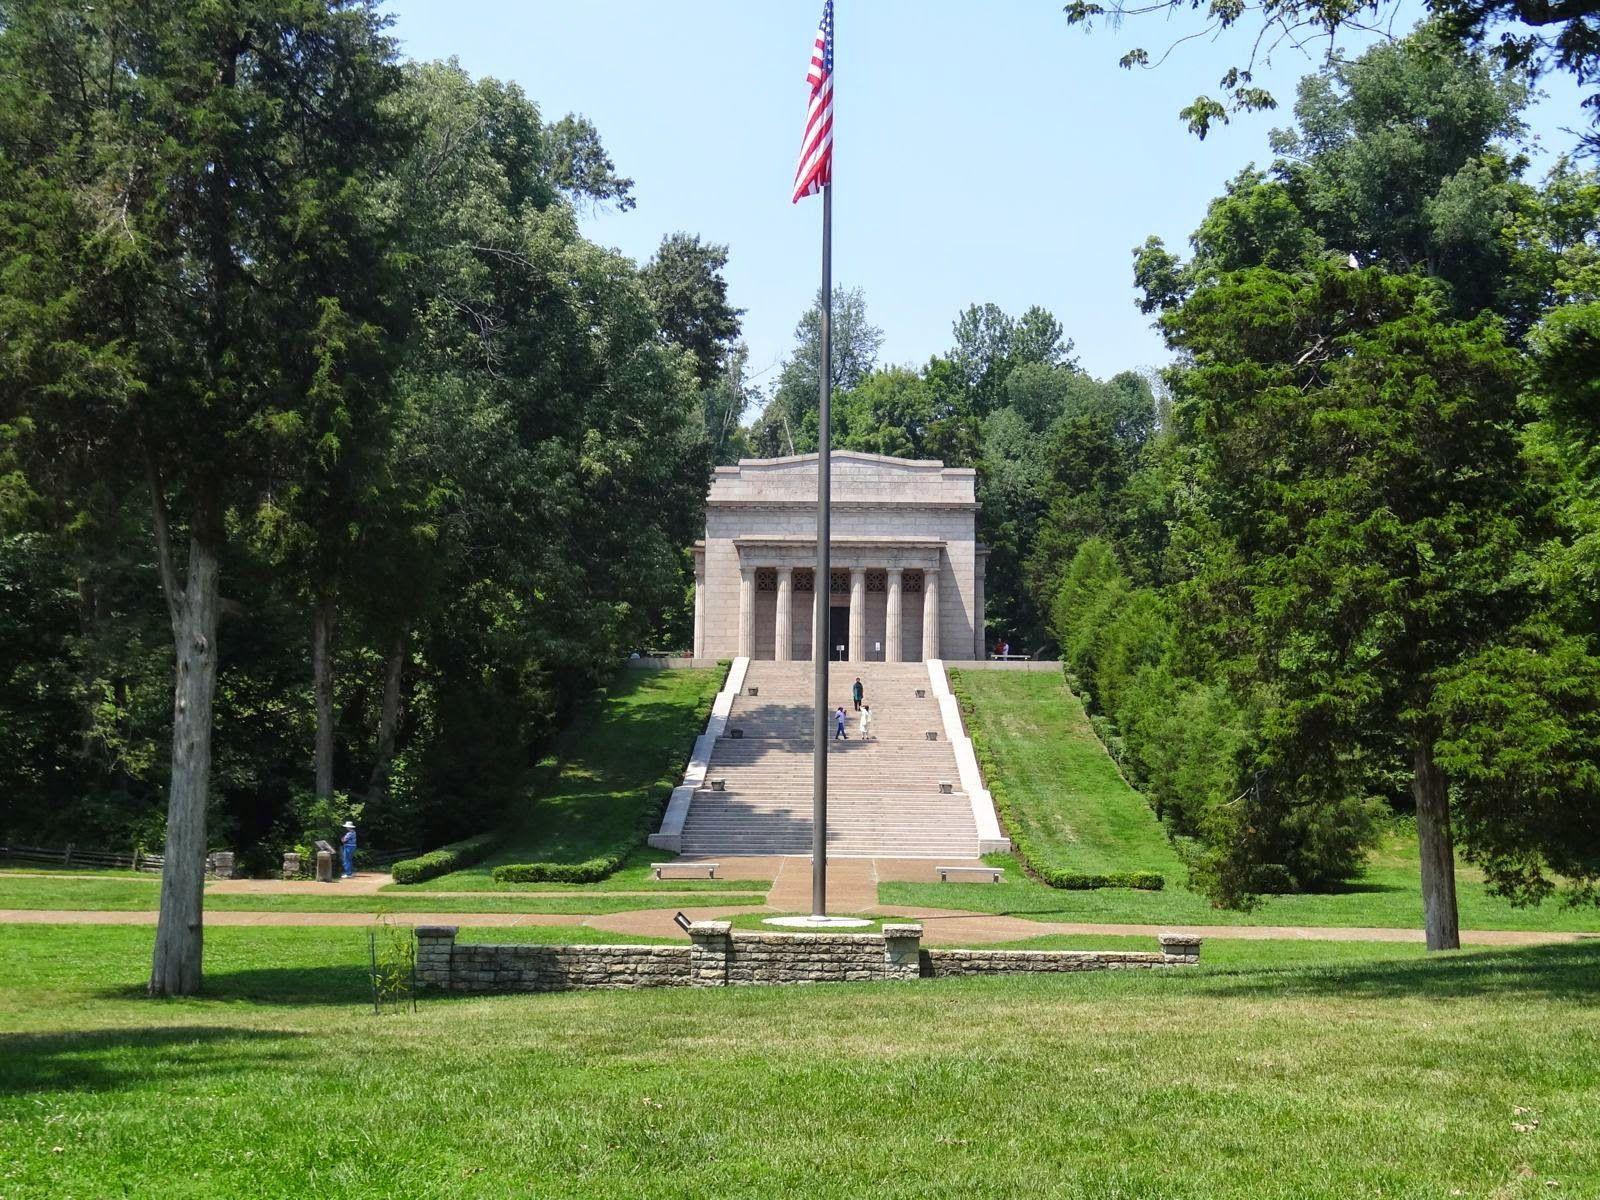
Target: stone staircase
point(883, 794)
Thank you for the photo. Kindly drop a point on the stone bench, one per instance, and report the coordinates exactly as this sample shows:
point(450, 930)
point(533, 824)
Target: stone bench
point(975, 874)
point(710, 868)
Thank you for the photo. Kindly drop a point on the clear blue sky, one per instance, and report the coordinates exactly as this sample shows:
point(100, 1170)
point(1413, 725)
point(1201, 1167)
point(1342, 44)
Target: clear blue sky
point(984, 152)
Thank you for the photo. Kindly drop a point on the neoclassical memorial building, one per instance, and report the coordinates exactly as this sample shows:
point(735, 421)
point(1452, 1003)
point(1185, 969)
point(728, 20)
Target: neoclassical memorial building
point(907, 570)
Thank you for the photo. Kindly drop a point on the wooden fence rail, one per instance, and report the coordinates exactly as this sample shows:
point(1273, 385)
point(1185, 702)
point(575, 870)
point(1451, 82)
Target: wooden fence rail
point(71, 855)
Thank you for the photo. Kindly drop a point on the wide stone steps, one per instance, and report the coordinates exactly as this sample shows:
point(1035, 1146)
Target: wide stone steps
point(883, 792)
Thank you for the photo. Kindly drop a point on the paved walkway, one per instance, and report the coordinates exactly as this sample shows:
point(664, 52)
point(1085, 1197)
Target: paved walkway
point(362, 883)
point(940, 927)
point(852, 887)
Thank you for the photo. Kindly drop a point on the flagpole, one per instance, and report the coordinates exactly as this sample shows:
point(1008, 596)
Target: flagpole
point(822, 585)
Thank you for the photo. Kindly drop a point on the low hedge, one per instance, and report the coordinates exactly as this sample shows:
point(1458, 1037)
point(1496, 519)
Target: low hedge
point(1079, 881)
point(445, 859)
point(590, 871)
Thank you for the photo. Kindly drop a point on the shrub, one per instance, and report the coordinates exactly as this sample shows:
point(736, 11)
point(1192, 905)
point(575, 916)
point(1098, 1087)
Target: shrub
point(1081, 881)
point(445, 859)
point(591, 871)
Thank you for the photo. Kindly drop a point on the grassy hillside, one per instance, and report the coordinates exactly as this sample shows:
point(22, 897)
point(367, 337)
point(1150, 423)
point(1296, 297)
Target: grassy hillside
point(624, 762)
point(1066, 796)
point(1069, 798)
point(1277, 1071)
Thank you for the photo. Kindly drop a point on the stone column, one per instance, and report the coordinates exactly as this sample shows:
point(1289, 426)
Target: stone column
point(747, 612)
point(699, 650)
point(930, 614)
point(902, 952)
point(709, 946)
point(858, 614)
point(891, 624)
point(979, 629)
point(435, 945)
point(782, 646)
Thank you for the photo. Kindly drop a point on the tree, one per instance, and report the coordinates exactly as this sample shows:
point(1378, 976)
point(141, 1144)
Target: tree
point(152, 222)
point(551, 458)
point(788, 425)
point(1370, 521)
point(685, 282)
point(1525, 34)
point(889, 412)
point(982, 355)
point(1407, 157)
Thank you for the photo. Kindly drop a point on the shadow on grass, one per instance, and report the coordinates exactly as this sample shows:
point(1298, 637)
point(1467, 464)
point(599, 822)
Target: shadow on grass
point(328, 984)
point(122, 1059)
point(1557, 972)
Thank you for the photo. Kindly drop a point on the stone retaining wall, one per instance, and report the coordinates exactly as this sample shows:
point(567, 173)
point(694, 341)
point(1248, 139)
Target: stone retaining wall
point(939, 964)
point(718, 957)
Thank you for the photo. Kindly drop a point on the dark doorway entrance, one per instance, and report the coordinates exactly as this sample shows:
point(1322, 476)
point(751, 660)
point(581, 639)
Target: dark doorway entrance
point(839, 632)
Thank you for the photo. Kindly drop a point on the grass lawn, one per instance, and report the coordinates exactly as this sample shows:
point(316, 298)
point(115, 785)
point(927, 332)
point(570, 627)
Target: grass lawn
point(624, 762)
point(1069, 800)
point(1072, 800)
point(1282, 1071)
point(132, 895)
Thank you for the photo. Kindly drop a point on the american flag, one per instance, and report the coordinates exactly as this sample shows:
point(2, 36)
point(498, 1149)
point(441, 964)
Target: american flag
point(816, 148)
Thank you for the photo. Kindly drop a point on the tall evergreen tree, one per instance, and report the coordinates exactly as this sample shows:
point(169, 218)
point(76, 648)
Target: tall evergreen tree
point(1370, 522)
point(155, 223)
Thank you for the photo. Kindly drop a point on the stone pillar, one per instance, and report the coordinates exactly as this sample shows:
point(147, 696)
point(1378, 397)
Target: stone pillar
point(858, 614)
point(980, 636)
point(891, 624)
point(782, 648)
point(1185, 947)
point(930, 614)
point(747, 612)
point(435, 945)
point(711, 942)
point(699, 649)
point(902, 952)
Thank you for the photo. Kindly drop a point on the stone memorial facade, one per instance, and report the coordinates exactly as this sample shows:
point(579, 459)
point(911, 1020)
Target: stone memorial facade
point(906, 583)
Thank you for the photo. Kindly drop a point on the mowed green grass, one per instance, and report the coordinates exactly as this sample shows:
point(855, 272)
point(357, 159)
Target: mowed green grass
point(624, 761)
point(139, 895)
point(1276, 1071)
point(1072, 800)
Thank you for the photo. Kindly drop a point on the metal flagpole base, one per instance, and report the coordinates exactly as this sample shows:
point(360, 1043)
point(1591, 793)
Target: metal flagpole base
point(817, 921)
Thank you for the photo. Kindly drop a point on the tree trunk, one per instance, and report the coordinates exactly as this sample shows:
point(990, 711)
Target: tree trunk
point(322, 618)
point(175, 970)
point(389, 717)
point(1428, 786)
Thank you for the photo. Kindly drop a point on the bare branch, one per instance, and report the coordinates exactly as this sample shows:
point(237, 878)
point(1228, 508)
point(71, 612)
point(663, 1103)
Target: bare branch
point(158, 509)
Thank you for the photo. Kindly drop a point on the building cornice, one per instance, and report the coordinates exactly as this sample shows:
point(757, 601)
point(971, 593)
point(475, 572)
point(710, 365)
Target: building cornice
point(836, 505)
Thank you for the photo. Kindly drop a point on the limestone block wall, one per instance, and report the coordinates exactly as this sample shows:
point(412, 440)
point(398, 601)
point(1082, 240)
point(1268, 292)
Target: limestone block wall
point(770, 958)
point(519, 968)
point(941, 964)
point(718, 957)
